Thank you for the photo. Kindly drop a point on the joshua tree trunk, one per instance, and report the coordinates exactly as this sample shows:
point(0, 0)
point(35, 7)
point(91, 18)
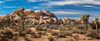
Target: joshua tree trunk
point(97, 29)
point(86, 26)
point(22, 22)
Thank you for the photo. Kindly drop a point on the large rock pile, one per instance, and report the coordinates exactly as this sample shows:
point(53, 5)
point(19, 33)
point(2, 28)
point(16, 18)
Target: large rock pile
point(30, 17)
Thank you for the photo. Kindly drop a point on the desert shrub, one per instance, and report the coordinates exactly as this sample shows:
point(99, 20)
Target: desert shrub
point(26, 39)
point(55, 33)
point(35, 23)
point(14, 38)
point(7, 34)
point(27, 31)
point(76, 37)
point(82, 32)
point(68, 34)
point(70, 39)
point(51, 39)
point(75, 31)
point(61, 36)
point(40, 29)
point(36, 35)
point(80, 27)
point(21, 33)
point(92, 33)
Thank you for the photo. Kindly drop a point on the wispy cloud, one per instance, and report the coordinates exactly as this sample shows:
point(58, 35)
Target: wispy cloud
point(75, 2)
point(67, 12)
point(9, 0)
point(86, 6)
point(9, 7)
point(2, 2)
point(36, 0)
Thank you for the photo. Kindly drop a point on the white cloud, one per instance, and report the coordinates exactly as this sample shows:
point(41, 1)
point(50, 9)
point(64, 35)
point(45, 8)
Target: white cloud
point(1, 2)
point(75, 18)
point(74, 2)
point(39, 7)
point(9, 0)
point(9, 7)
point(67, 12)
point(86, 6)
point(36, 0)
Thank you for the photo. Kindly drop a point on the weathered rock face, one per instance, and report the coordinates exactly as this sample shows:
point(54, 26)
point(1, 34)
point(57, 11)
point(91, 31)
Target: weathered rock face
point(6, 16)
point(49, 13)
point(20, 9)
point(46, 17)
point(28, 11)
point(68, 21)
point(38, 11)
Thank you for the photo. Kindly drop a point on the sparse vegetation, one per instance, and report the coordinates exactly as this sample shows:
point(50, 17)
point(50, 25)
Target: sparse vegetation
point(27, 27)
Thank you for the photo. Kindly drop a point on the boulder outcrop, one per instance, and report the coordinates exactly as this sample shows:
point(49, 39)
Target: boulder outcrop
point(31, 16)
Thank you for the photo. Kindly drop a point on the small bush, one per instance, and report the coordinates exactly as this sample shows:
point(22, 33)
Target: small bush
point(40, 29)
point(21, 33)
point(55, 34)
point(51, 39)
point(28, 31)
point(67, 33)
point(82, 32)
point(36, 35)
point(76, 37)
point(7, 34)
point(81, 27)
point(14, 38)
point(92, 34)
point(61, 36)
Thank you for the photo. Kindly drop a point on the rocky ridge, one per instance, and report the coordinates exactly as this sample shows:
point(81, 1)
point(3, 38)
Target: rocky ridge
point(45, 17)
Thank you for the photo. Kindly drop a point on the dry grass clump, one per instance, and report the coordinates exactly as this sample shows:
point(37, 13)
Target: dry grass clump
point(36, 35)
point(7, 34)
point(28, 31)
point(76, 37)
point(55, 33)
point(81, 27)
point(91, 33)
point(40, 29)
point(14, 38)
point(51, 39)
point(61, 36)
point(67, 33)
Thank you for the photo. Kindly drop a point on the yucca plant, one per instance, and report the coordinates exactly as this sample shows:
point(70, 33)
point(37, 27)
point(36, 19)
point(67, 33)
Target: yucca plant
point(96, 22)
point(21, 14)
point(37, 16)
point(85, 19)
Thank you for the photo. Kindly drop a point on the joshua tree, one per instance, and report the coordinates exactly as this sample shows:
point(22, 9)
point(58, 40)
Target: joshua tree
point(96, 22)
point(85, 19)
point(21, 14)
point(37, 16)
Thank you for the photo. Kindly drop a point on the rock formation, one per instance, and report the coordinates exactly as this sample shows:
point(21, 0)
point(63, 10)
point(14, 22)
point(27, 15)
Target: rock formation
point(30, 17)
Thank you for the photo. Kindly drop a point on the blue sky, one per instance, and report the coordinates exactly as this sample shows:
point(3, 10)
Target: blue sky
point(61, 8)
